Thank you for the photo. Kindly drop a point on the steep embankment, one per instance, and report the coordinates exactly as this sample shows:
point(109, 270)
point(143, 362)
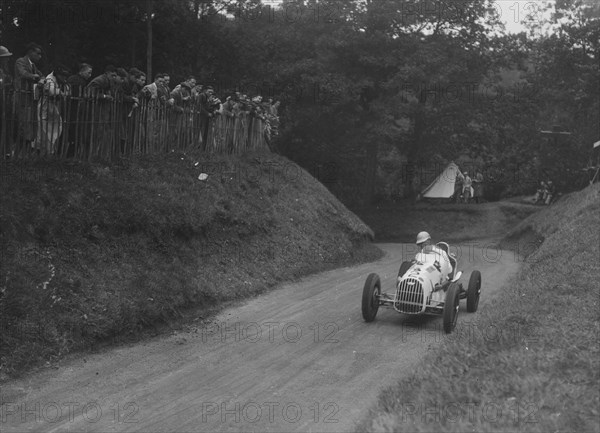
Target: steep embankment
point(93, 252)
point(531, 360)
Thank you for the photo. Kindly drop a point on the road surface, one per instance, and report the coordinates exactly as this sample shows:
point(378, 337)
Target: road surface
point(299, 358)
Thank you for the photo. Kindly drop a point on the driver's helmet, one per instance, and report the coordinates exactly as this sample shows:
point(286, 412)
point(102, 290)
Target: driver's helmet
point(422, 237)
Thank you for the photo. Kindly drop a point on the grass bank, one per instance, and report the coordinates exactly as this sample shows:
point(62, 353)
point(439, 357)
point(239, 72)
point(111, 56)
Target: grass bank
point(530, 361)
point(94, 253)
point(400, 222)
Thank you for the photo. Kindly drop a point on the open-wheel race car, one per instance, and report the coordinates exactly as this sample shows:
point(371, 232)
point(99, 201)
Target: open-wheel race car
point(429, 284)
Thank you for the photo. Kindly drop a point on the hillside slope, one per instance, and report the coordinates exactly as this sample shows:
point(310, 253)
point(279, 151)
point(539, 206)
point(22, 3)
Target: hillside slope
point(531, 360)
point(93, 252)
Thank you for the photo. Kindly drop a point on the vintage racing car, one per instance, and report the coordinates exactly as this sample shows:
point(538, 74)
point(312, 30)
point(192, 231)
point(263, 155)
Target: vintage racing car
point(424, 287)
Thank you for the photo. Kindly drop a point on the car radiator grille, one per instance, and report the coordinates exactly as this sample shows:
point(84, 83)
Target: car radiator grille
point(409, 298)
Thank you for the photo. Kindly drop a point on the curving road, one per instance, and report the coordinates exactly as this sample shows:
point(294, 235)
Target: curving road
point(300, 358)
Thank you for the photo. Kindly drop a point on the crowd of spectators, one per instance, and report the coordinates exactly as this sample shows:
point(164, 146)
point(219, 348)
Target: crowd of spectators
point(118, 101)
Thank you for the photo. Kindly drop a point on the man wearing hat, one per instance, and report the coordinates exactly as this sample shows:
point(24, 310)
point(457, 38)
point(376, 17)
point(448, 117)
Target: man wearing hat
point(5, 77)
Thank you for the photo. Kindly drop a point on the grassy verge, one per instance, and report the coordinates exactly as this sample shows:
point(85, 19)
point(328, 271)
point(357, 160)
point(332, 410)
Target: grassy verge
point(93, 252)
point(449, 222)
point(531, 362)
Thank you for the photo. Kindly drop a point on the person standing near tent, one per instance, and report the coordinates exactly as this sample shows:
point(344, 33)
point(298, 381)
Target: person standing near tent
point(467, 187)
point(458, 186)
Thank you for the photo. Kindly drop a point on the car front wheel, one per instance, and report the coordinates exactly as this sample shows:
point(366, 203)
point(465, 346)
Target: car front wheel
point(473, 291)
point(451, 305)
point(370, 297)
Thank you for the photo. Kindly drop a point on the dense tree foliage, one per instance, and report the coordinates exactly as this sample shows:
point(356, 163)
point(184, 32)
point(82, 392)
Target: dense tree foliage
point(377, 94)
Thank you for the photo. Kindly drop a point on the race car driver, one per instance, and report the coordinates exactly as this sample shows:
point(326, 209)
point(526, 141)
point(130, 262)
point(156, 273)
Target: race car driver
point(429, 253)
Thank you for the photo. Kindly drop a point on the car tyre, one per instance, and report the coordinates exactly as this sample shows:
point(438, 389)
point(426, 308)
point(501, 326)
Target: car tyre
point(404, 267)
point(473, 291)
point(370, 297)
point(451, 308)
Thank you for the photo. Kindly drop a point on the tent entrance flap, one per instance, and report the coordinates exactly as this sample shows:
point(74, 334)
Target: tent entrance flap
point(443, 185)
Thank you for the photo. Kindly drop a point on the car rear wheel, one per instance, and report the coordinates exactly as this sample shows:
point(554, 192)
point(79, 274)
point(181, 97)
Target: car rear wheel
point(473, 291)
point(404, 267)
point(370, 297)
point(451, 308)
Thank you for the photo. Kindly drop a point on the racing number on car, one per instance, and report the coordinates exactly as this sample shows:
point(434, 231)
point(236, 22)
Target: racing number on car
point(438, 266)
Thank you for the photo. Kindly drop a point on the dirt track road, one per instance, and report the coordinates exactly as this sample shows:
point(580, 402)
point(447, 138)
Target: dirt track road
point(300, 358)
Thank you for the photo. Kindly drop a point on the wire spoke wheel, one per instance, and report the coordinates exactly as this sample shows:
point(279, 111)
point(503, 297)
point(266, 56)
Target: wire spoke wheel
point(451, 306)
point(370, 297)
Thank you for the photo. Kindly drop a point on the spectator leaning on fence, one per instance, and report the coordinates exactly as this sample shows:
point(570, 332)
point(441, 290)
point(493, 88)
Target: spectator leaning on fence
point(27, 76)
point(117, 84)
point(166, 82)
point(155, 96)
point(164, 92)
point(196, 91)
point(180, 123)
point(78, 83)
point(80, 79)
point(206, 112)
point(141, 82)
point(128, 88)
point(227, 107)
point(131, 86)
point(101, 87)
point(182, 94)
point(51, 102)
point(150, 91)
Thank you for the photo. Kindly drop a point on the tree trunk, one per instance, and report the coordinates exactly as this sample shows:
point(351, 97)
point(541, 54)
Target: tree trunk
point(149, 9)
point(132, 39)
point(413, 152)
point(370, 172)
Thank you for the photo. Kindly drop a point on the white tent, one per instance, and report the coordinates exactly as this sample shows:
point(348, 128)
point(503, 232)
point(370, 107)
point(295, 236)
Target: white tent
point(443, 185)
